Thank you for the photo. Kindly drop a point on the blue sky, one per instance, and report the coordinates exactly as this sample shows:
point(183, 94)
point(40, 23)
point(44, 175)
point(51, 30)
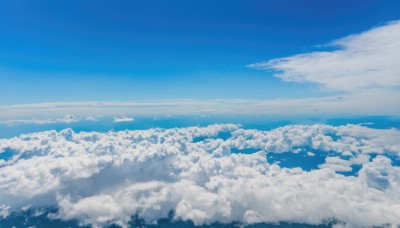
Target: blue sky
point(122, 50)
point(74, 51)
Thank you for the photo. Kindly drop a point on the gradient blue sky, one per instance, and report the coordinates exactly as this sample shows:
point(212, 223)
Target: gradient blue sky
point(58, 51)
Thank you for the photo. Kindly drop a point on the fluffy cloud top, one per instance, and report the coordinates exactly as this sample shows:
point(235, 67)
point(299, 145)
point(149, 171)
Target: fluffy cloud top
point(104, 178)
point(362, 61)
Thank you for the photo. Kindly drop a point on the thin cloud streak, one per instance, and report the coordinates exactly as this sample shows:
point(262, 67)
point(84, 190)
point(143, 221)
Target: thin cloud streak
point(374, 102)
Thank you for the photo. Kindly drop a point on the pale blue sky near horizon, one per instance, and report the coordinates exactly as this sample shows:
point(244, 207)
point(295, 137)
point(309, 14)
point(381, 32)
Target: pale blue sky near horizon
point(67, 51)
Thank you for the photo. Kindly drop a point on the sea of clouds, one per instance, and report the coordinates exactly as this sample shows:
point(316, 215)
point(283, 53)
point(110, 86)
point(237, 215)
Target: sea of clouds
point(104, 178)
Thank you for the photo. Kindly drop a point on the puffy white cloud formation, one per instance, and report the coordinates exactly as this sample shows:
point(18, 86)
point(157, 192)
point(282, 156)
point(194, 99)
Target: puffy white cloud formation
point(104, 178)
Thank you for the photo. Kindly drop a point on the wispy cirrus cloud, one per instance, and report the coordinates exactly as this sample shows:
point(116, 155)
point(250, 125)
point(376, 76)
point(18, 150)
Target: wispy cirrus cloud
point(358, 63)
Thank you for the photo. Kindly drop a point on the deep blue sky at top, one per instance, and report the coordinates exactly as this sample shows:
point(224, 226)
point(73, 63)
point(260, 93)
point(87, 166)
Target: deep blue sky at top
point(95, 50)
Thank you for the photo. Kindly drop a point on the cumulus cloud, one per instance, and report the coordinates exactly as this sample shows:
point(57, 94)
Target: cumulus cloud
point(362, 61)
point(4, 211)
point(380, 174)
point(105, 178)
point(123, 119)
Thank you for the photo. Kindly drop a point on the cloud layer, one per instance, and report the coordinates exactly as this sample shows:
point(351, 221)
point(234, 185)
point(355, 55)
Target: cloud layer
point(104, 178)
point(370, 102)
point(66, 119)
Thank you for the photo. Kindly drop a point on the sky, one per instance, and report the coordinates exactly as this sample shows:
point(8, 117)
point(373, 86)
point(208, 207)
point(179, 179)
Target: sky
point(108, 51)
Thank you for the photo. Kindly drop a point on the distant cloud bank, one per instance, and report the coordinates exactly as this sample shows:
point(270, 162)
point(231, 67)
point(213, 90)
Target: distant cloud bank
point(66, 119)
point(123, 119)
point(105, 178)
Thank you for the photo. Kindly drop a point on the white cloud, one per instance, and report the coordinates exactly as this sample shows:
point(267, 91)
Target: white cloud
point(362, 61)
point(311, 154)
point(319, 136)
point(123, 119)
point(66, 119)
point(90, 118)
point(380, 174)
point(337, 164)
point(4, 211)
point(104, 178)
point(363, 68)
